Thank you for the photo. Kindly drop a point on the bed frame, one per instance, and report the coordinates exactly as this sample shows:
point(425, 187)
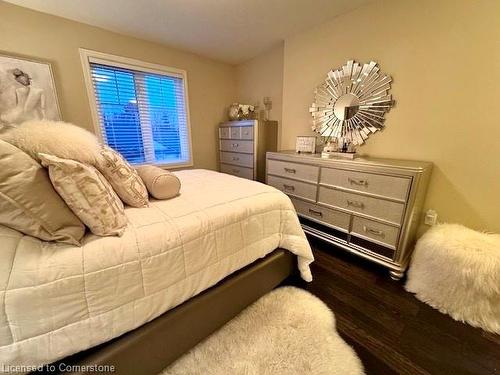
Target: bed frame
point(153, 346)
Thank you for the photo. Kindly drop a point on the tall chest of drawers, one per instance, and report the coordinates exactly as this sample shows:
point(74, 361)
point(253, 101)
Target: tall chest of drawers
point(370, 207)
point(243, 145)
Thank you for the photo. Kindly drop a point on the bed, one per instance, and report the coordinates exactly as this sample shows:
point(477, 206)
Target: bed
point(57, 300)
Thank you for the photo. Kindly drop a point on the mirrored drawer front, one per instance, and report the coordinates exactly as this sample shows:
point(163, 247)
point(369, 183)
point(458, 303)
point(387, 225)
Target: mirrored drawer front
point(235, 132)
point(237, 171)
point(379, 232)
point(300, 171)
point(236, 146)
point(246, 132)
point(299, 189)
point(386, 186)
point(224, 133)
point(244, 160)
point(330, 217)
point(241, 132)
point(379, 208)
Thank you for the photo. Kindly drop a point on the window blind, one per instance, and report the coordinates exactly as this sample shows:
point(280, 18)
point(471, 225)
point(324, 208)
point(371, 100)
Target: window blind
point(142, 115)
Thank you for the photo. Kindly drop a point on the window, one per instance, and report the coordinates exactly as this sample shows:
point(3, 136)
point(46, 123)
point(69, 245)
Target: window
point(139, 109)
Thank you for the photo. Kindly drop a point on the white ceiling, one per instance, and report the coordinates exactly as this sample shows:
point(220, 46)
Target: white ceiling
point(232, 31)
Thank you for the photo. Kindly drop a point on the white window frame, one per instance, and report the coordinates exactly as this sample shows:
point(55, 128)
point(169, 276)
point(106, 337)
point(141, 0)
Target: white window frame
point(88, 56)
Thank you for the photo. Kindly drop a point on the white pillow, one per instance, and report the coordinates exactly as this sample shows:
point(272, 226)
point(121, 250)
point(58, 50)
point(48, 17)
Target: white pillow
point(57, 138)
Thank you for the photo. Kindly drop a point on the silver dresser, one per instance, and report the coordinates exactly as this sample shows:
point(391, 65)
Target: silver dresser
point(370, 207)
point(243, 145)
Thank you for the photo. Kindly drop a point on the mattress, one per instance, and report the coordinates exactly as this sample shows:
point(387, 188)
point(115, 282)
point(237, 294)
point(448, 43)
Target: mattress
point(59, 299)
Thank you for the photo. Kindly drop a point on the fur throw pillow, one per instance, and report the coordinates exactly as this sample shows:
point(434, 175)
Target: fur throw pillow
point(57, 138)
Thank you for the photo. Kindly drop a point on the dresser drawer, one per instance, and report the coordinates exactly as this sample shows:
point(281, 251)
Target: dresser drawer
point(246, 132)
point(299, 171)
point(242, 132)
point(386, 186)
point(291, 187)
point(375, 207)
point(369, 229)
point(244, 160)
point(235, 132)
point(236, 146)
point(224, 133)
point(237, 171)
point(334, 218)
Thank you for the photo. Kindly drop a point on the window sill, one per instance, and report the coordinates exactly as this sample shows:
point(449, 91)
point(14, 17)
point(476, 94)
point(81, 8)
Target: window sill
point(168, 166)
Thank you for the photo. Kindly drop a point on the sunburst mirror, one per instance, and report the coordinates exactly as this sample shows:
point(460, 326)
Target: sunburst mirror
point(351, 103)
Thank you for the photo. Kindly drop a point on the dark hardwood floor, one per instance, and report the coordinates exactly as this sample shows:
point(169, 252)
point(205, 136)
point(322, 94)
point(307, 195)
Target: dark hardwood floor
point(392, 331)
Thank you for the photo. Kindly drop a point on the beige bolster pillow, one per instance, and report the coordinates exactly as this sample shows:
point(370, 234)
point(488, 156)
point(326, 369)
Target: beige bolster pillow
point(160, 183)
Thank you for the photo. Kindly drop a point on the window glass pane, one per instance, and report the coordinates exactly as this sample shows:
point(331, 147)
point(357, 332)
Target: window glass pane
point(161, 94)
point(119, 112)
point(142, 115)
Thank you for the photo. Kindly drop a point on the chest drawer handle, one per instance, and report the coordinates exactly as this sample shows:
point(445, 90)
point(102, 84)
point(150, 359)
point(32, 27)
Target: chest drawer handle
point(290, 170)
point(289, 187)
point(355, 204)
point(357, 182)
point(235, 145)
point(316, 213)
point(235, 158)
point(376, 232)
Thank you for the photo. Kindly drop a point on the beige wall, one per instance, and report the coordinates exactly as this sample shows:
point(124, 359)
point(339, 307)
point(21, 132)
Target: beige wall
point(262, 76)
point(211, 84)
point(444, 57)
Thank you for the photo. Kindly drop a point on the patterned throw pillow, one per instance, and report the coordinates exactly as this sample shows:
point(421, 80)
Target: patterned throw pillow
point(124, 179)
point(88, 194)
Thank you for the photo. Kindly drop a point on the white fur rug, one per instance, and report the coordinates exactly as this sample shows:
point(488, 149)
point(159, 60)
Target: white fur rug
point(288, 331)
point(457, 271)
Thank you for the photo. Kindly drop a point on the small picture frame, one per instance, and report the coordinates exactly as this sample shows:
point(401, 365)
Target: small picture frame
point(305, 144)
point(27, 91)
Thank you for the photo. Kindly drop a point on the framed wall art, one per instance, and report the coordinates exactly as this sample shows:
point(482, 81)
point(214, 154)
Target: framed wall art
point(27, 91)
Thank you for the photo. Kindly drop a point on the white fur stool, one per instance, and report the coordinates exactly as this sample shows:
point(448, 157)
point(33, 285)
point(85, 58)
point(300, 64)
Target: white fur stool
point(457, 271)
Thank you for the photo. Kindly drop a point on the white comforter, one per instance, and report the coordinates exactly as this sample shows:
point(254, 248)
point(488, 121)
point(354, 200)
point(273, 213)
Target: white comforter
point(58, 299)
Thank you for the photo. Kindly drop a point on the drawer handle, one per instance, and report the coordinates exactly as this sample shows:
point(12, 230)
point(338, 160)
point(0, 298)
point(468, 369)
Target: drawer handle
point(290, 170)
point(355, 204)
point(235, 145)
point(357, 182)
point(289, 187)
point(235, 158)
point(235, 170)
point(317, 213)
point(376, 232)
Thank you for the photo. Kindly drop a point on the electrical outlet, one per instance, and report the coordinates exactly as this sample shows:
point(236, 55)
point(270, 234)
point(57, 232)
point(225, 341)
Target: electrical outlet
point(430, 217)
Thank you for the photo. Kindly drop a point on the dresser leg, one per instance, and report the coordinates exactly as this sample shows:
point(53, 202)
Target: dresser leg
point(396, 275)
